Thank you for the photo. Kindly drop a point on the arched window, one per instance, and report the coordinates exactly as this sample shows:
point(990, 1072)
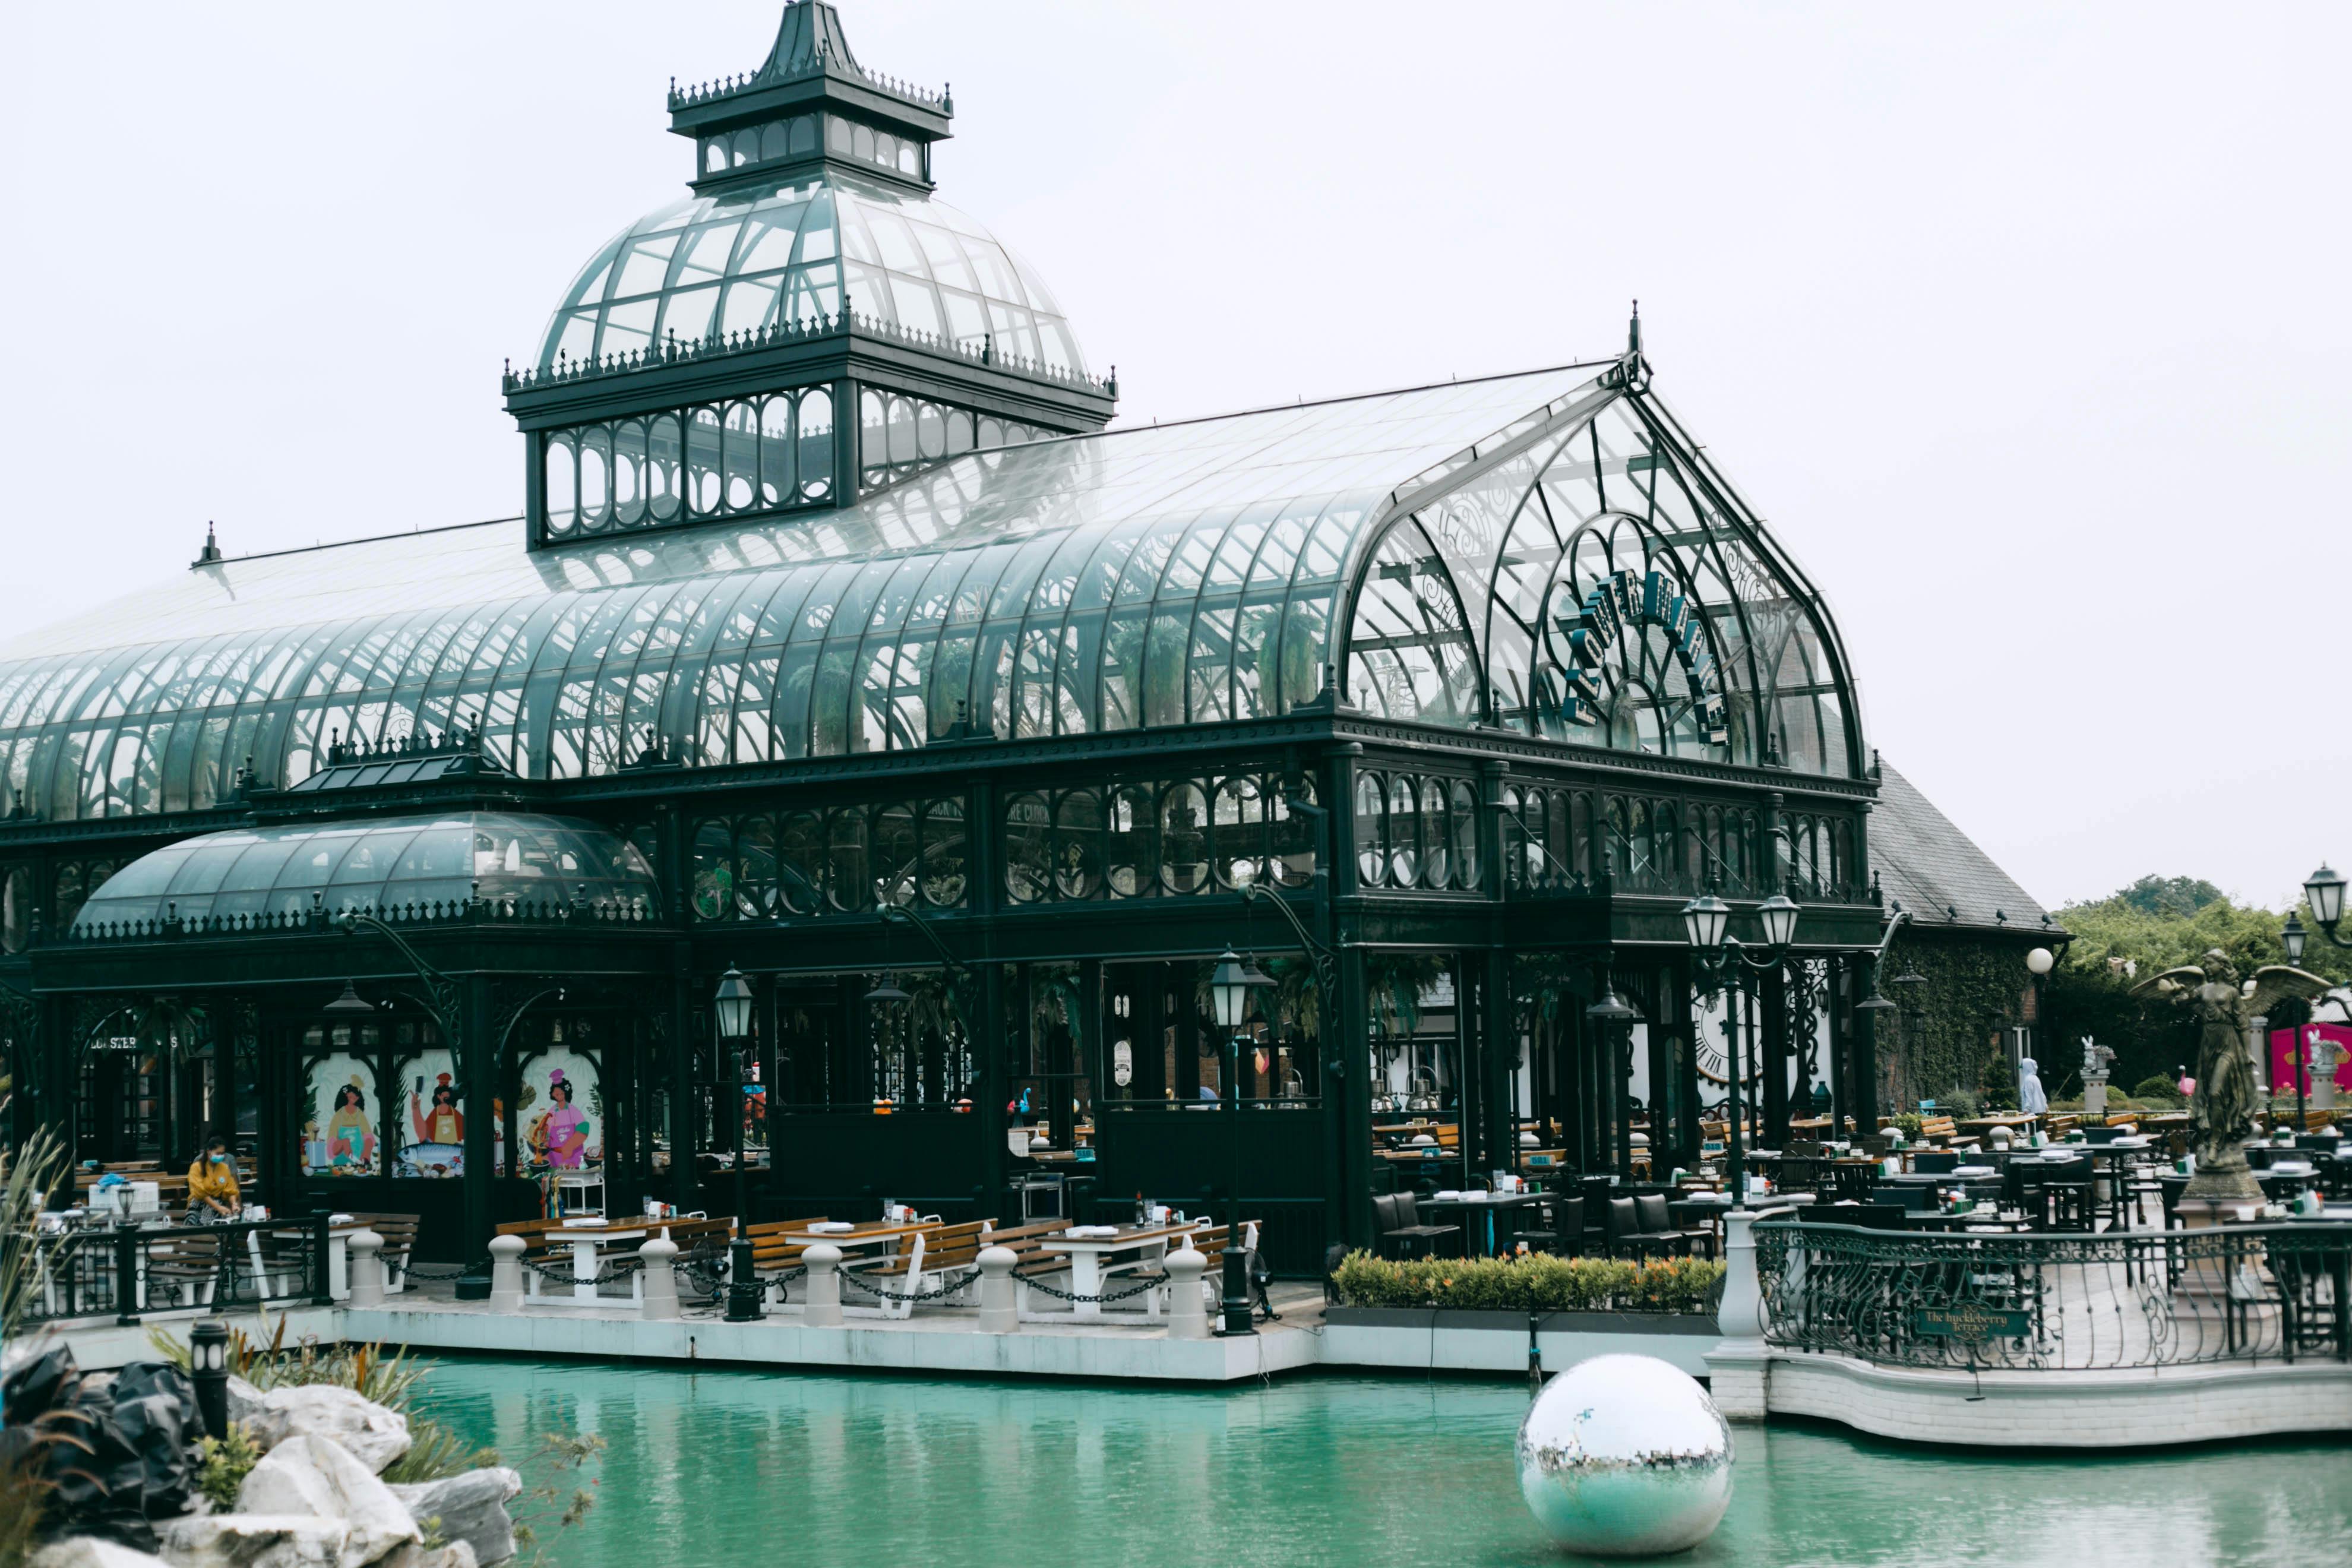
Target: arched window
point(1183, 839)
point(1027, 854)
point(800, 872)
point(714, 871)
point(1437, 834)
point(895, 862)
point(1464, 812)
point(846, 865)
point(1372, 837)
point(1078, 843)
point(1404, 832)
point(755, 868)
point(943, 854)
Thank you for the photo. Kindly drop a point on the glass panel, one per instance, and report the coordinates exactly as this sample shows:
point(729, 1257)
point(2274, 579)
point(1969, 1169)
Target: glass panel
point(846, 872)
point(1404, 833)
point(895, 859)
point(1437, 834)
point(801, 870)
point(1465, 836)
point(1183, 839)
point(1078, 844)
point(1027, 854)
point(943, 854)
point(1371, 812)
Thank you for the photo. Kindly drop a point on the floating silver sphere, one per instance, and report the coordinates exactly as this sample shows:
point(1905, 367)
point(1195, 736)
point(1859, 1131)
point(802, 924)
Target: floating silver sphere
point(1623, 1455)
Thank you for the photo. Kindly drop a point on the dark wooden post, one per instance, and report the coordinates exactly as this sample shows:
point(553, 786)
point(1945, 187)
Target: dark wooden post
point(472, 1052)
point(1774, 1001)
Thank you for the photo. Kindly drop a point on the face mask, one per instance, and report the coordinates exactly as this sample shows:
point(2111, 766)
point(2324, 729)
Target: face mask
point(220, 1158)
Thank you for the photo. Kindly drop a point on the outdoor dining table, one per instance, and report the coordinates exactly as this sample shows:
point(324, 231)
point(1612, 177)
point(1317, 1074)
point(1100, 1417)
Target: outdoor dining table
point(586, 1242)
point(1090, 1255)
point(1485, 1206)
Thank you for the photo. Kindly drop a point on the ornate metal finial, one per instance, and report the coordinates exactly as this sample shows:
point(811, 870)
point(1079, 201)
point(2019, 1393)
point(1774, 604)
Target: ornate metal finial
point(210, 555)
point(1634, 334)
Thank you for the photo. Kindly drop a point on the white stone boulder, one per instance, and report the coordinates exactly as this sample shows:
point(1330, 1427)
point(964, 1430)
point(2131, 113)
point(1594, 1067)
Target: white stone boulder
point(253, 1540)
point(469, 1508)
point(89, 1551)
point(313, 1475)
point(366, 1430)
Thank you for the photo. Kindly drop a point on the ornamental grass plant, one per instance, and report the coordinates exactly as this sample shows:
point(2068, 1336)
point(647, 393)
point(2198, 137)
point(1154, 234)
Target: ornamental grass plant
point(1533, 1282)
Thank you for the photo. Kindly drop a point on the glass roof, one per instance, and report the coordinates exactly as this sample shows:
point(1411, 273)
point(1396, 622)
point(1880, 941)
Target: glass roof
point(744, 260)
point(1146, 577)
point(384, 864)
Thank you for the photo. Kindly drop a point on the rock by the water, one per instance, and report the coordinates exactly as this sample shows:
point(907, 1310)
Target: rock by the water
point(456, 1554)
point(89, 1551)
point(471, 1508)
point(370, 1433)
point(253, 1540)
point(310, 1474)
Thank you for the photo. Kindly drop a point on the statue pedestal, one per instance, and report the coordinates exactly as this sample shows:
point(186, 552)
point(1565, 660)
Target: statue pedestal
point(2325, 1057)
point(2095, 1094)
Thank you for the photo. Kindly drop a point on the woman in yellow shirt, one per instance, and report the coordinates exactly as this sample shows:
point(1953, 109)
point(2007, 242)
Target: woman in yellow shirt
point(212, 1184)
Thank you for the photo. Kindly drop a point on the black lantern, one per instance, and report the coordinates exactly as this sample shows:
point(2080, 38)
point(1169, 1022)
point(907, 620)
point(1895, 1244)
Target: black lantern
point(1779, 915)
point(1229, 991)
point(1611, 1010)
point(732, 1006)
point(2295, 937)
point(888, 993)
point(349, 1002)
point(2325, 888)
point(1705, 919)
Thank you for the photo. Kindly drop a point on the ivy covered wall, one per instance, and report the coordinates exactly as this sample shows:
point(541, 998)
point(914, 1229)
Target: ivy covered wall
point(1950, 1034)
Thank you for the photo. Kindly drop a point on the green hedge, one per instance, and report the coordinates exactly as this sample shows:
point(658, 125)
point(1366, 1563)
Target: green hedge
point(1536, 1282)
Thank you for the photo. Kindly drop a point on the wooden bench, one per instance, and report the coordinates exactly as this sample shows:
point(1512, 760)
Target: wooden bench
point(1024, 1241)
point(1937, 1130)
point(935, 1257)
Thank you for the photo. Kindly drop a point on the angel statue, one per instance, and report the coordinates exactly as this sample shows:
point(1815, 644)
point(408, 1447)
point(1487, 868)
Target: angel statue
point(2221, 1113)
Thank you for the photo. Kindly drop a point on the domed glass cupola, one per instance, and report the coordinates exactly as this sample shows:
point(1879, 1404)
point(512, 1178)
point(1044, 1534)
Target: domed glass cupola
point(809, 326)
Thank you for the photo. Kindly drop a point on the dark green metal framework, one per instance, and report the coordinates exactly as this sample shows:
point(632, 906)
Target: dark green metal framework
point(1481, 681)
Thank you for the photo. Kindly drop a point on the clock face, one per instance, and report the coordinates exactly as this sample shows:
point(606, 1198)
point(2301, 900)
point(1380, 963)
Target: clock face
point(1715, 1068)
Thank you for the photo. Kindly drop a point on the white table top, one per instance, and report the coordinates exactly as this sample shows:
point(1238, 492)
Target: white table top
point(1125, 1238)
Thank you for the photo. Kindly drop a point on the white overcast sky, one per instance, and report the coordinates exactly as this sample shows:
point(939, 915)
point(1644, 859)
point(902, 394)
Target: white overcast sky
point(2025, 326)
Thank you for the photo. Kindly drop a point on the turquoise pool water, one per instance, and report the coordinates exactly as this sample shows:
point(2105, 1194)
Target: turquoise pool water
point(726, 1467)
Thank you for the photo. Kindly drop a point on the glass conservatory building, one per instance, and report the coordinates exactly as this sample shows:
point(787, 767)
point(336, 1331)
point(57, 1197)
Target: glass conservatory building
point(839, 643)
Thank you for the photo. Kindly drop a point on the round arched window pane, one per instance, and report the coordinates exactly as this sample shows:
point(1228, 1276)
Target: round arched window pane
point(894, 856)
point(1465, 836)
point(1437, 854)
point(1240, 833)
point(1027, 836)
point(1371, 816)
point(943, 855)
point(714, 871)
point(1133, 856)
point(846, 860)
point(563, 484)
point(755, 868)
point(1078, 844)
point(1404, 837)
point(1183, 839)
point(801, 862)
point(1296, 836)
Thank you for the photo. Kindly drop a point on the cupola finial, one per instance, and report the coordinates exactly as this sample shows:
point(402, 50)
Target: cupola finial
point(210, 555)
point(1634, 334)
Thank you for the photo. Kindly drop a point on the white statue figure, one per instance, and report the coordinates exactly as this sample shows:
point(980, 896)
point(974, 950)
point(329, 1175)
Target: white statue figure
point(2097, 1060)
point(2030, 1098)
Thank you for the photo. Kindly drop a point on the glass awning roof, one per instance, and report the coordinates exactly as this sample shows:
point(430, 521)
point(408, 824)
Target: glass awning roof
point(383, 865)
point(1429, 542)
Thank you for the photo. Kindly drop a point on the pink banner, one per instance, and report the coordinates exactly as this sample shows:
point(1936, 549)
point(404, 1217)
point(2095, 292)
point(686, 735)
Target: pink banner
point(2282, 1054)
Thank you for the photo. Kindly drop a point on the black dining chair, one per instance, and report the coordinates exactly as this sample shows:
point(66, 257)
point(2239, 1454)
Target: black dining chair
point(1916, 1196)
point(1935, 1163)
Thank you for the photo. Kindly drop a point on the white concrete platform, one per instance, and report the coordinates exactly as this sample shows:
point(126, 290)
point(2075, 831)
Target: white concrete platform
point(945, 1343)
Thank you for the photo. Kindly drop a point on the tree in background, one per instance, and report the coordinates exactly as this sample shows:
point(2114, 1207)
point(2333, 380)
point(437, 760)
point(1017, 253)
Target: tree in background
point(2159, 924)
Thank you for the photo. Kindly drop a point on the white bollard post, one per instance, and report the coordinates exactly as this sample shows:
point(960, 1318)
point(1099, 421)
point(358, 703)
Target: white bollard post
point(660, 1281)
point(1188, 1309)
point(823, 1310)
point(1000, 1298)
point(366, 1268)
point(1739, 1366)
point(506, 1273)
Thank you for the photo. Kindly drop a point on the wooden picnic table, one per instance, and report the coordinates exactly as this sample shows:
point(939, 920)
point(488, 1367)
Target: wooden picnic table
point(1089, 1254)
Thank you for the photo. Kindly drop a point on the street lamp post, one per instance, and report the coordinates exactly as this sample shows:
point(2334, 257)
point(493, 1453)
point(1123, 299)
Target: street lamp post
point(2039, 963)
point(1616, 1020)
point(731, 1009)
point(1706, 926)
point(1230, 985)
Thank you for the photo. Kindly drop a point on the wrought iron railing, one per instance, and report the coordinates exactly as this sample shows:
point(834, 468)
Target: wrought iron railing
point(494, 910)
point(775, 334)
point(124, 1271)
point(2114, 1300)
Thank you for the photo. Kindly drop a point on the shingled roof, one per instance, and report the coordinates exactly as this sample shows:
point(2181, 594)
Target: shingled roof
point(1928, 865)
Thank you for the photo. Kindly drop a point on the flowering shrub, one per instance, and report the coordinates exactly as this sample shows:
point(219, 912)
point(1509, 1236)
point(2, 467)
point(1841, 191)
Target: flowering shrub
point(1537, 1282)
